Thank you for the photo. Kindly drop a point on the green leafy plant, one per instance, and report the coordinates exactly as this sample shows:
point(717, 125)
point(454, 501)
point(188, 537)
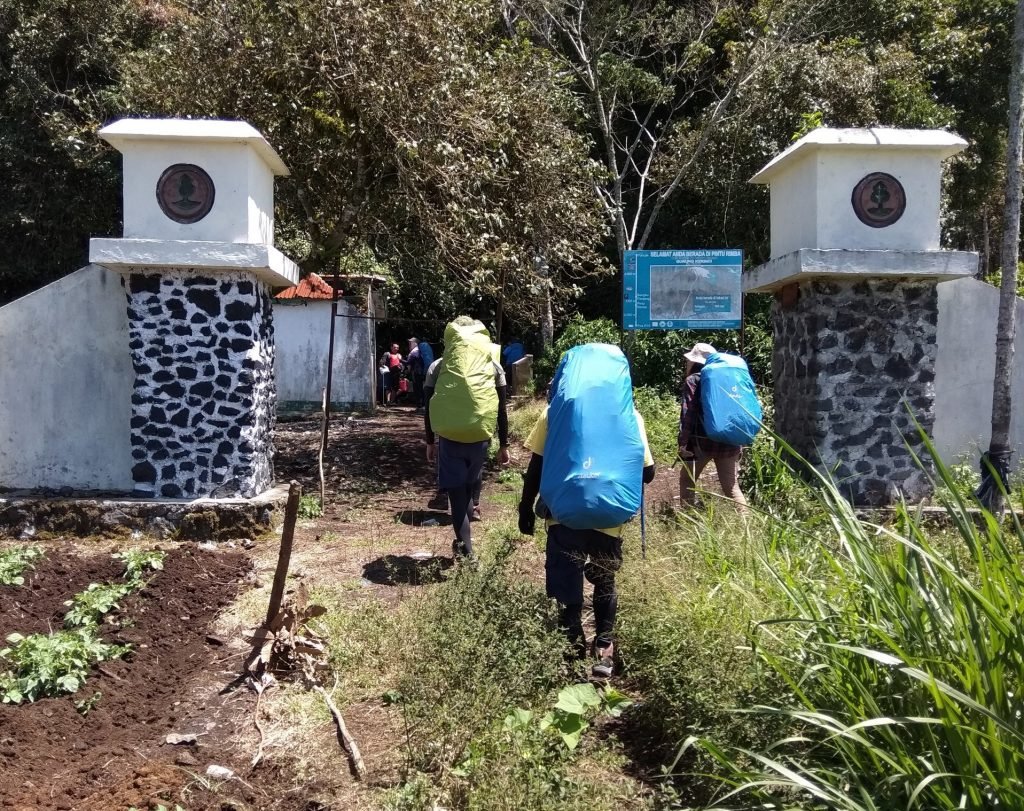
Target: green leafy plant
point(138, 561)
point(310, 507)
point(89, 606)
point(14, 561)
point(43, 665)
point(84, 706)
point(576, 706)
point(509, 476)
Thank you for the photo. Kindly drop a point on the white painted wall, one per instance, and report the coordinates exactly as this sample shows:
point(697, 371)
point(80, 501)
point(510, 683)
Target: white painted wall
point(228, 167)
point(811, 201)
point(238, 159)
point(66, 385)
point(261, 201)
point(839, 171)
point(812, 185)
point(964, 370)
point(301, 332)
point(794, 217)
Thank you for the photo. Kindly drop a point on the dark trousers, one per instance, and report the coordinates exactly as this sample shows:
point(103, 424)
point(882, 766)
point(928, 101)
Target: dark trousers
point(573, 554)
point(417, 390)
point(459, 466)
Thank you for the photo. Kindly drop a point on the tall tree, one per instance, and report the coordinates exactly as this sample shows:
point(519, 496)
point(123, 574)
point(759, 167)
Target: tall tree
point(59, 82)
point(407, 127)
point(656, 79)
point(996, 462)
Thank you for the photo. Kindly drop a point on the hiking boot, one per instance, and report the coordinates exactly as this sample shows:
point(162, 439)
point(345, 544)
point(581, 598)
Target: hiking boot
point(474, 514)
point(605, 664)
point(439, 501)
point(459, 554)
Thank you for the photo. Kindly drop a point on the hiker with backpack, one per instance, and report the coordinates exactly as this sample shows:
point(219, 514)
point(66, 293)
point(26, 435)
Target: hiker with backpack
point(465, 395)
point(589, 464)
point(719, 414)
point(417, 364)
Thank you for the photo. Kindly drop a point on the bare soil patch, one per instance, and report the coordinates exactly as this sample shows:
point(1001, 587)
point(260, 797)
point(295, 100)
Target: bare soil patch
point(54, 757)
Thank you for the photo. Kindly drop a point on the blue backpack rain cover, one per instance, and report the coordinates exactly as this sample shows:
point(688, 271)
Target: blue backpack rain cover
point(732, 413)
point(593, 454)
point(426, 355)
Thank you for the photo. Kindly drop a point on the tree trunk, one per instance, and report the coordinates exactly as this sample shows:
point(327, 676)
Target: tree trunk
point(547, 318)
point(547, 322)
point(500, 314)
point(995, 464)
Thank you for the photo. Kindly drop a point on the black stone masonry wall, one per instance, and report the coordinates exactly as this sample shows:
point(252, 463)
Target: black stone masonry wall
point(850, 358)
point(203, 407)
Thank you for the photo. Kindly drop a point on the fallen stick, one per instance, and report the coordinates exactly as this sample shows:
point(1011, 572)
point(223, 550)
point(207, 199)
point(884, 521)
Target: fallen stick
point(106, 672)
point(259, 728)
point(348, 743)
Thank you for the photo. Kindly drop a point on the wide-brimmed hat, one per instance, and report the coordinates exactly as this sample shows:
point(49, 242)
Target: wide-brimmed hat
point(700, 353)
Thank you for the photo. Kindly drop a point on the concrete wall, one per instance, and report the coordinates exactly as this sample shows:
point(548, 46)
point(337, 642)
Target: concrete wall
point(965, 367)
point(66, 385)
point(302, 332)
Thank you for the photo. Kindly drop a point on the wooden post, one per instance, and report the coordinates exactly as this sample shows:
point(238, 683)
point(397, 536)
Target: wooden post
point(291, 515)
point(325, 406)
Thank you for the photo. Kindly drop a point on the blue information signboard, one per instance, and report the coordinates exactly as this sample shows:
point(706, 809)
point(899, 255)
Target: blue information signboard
point(691, 289)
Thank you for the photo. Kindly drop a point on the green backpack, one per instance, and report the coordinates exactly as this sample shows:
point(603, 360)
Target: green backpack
point(464, 407)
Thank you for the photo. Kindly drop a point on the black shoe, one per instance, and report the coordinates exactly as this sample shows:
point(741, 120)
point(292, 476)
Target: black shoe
point(605, 664)
point(439, 502)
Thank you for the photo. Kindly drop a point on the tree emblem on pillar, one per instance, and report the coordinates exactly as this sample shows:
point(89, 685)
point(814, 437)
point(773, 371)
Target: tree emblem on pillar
point(879, 196)
point(186, 188)
point(879, 200)
point(185, 193)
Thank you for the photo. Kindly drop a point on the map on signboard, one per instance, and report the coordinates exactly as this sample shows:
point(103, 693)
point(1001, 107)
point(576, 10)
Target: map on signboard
point(686, 289)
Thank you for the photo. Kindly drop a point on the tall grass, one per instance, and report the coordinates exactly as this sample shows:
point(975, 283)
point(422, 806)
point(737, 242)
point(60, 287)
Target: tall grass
point(684, 619)
point(903, 660)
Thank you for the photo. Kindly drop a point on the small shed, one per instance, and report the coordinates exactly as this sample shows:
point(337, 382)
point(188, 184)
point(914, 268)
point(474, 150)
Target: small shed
point(302, 325)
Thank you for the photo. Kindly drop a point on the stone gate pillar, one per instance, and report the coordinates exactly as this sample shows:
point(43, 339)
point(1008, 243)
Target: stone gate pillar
point(198, 262)
point(855, 261)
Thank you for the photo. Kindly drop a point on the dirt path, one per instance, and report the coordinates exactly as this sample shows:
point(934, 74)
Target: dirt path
point(368, 549)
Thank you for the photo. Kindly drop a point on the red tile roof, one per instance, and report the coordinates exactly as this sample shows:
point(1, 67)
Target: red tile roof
point(311, 287)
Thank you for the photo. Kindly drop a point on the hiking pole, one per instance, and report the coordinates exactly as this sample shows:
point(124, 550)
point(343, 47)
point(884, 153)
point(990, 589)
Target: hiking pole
point(643, 527)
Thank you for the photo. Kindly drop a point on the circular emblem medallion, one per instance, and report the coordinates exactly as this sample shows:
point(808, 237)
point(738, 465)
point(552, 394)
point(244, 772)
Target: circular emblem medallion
point(185, 193)
point(879, 200)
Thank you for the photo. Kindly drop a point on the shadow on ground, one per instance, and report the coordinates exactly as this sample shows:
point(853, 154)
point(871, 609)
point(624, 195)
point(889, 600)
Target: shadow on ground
point(406, 570)
point(416, 518)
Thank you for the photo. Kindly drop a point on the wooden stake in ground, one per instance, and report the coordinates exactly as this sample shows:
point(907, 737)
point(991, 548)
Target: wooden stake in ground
point(324, 423)
point(291, 515)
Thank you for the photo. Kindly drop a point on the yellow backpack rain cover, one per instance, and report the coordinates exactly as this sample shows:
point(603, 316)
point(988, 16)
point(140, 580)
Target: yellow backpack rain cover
point(464, 407)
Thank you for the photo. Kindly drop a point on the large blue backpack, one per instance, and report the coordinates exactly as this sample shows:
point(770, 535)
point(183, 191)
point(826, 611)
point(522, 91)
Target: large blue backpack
point(426, 355)
point(732, 413)
point(594, 454)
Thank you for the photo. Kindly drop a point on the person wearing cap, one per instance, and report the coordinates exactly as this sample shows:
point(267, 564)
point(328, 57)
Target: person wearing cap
point(696, 449)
